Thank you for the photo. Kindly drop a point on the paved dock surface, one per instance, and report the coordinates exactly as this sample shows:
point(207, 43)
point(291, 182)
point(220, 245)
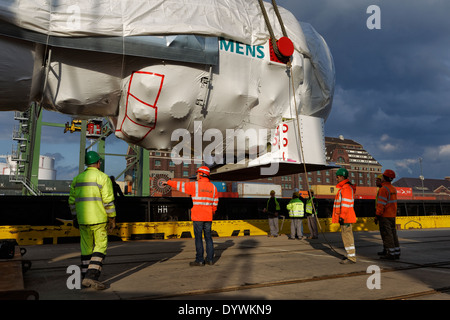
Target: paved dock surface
point(253, 267)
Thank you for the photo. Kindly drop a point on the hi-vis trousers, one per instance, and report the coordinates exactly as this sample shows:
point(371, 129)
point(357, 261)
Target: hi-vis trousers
point(349, 242)
point(93, 241)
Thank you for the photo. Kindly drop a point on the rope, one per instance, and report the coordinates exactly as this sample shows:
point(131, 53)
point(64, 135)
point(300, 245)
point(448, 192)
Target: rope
point(269, 28)
point(275, 7)
point(289, 65)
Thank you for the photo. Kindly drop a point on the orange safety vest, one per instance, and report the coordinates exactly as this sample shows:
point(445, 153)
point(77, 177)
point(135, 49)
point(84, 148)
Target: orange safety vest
point(205, 197)
point(343, 203)
point(387, 200)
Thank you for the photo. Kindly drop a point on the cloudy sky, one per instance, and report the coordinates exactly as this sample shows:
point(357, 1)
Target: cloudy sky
point(392, 86)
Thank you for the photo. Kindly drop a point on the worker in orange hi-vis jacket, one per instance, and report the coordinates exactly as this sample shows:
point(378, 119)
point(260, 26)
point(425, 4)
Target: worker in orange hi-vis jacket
point(344, 213)
point(385, 214)
point(205, 200)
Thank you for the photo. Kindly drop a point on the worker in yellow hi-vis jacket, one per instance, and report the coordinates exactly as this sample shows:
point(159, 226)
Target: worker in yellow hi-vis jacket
point(91, 202)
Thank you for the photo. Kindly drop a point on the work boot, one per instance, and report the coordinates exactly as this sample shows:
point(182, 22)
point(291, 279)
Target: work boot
point(347, 261)
point(91, 283)
point(387, 257)
point(196, 264)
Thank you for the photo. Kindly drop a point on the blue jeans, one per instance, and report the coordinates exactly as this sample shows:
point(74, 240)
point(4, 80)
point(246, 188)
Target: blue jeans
point(205, 228)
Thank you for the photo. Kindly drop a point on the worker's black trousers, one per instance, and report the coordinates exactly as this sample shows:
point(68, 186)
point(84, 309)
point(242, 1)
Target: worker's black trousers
point(388, 233)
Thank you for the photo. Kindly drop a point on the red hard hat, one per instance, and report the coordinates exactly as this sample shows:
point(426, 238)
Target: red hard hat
point(204, 170)
point(389, 173)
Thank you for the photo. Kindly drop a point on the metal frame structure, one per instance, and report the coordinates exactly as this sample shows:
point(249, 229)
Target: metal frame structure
point(26, 155)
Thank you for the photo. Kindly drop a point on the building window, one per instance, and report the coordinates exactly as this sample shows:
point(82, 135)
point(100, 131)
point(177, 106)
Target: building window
point(157, 163)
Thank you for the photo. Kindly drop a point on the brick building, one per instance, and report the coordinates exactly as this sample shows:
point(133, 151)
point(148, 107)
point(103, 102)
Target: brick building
point(362, 167)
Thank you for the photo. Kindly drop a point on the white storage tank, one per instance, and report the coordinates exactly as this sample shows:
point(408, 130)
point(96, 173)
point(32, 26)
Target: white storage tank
point(4, 169)
point(47, 168)
point(7, 166)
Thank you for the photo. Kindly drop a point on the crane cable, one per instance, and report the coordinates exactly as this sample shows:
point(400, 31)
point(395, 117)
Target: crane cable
point(289, 66)
point(269, 27)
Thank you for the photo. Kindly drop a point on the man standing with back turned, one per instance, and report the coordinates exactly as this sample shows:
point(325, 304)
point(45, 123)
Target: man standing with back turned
point(311, 214)
point(386, 213)
point(205, 199)
point(91, 202)
point(272, 209)
point(344, 213)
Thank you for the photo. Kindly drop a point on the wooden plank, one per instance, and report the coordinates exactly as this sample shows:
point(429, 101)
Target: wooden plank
point(11, 276)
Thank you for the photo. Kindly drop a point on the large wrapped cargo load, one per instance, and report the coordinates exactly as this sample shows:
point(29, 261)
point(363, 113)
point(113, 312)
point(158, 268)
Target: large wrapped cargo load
point(158, 68)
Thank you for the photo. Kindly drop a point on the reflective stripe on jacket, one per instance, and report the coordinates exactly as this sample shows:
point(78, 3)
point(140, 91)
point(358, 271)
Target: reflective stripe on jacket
point(387, 200)
point(343, 203)
point(309, 206)
point(205, 197)
point(296, 208)
point(92, 197)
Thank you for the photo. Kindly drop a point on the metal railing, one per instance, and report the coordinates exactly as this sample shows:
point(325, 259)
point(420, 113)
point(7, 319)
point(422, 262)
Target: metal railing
point(13, 177)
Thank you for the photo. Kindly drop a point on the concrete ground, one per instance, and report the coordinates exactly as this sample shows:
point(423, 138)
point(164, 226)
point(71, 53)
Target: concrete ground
point(252, 268)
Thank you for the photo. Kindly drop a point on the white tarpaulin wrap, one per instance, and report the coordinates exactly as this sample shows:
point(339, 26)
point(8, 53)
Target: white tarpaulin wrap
point(156, 66)
point(240, 20)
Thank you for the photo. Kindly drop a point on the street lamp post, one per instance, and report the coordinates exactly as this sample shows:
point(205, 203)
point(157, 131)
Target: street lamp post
point(421, 177)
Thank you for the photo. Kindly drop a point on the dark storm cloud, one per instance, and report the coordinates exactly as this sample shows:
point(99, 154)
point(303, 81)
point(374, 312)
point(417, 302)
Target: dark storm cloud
point(392, 84)
point(57, 156)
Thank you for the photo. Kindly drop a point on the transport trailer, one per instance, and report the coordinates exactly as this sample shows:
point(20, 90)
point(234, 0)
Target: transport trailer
point(47, 219)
